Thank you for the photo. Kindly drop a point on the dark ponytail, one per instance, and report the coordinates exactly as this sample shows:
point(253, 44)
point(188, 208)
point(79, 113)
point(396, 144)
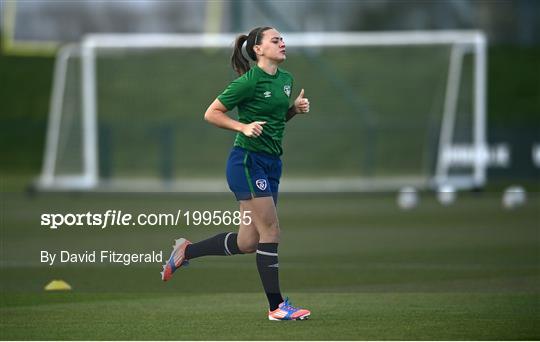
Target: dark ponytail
point(240, 63)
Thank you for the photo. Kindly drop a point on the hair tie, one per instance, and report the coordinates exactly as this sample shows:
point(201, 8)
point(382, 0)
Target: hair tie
point(243, 49)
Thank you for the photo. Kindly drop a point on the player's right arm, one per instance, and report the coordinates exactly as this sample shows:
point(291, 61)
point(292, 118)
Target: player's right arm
point(238, 91)
point(216, 115)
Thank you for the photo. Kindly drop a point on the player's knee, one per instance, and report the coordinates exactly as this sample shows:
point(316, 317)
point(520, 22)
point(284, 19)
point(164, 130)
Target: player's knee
point(271, 226)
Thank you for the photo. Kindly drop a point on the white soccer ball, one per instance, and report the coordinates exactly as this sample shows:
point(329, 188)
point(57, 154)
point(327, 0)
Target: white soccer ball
point(446, 195)
point(407, 198)
point(513, 197)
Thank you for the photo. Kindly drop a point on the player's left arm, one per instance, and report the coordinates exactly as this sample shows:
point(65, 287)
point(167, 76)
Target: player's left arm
point(300, 106)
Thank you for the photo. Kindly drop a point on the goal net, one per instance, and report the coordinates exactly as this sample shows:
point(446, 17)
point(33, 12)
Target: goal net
point(389, 109)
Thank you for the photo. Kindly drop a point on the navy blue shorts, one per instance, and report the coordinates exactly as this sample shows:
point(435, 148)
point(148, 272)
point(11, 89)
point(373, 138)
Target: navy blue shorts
point(253, 174)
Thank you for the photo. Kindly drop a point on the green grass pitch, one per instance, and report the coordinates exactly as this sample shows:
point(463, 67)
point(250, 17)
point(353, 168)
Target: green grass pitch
point(367, 270)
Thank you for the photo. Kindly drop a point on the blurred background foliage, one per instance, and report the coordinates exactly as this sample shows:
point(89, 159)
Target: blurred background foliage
point(512, 28)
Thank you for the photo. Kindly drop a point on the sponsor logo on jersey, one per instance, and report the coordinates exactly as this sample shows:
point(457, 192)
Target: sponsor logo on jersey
point(267, 93)
point(261, 184)
point(287, 90)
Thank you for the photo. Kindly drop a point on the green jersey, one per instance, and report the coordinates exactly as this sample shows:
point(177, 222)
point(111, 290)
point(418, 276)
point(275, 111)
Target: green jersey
point(260, 97)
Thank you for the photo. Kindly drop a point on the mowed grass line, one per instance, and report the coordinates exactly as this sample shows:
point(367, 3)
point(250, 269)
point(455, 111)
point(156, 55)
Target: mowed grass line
point(241, 316)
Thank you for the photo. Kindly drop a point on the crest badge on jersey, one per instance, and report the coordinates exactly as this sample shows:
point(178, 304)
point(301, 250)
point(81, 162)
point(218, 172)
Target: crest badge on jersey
point(261, 184)
point(287, 90)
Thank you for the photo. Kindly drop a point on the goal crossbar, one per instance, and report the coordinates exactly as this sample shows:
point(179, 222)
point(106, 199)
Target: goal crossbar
point(311, 39)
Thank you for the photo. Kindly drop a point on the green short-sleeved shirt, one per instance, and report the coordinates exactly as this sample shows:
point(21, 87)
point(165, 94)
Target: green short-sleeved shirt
point(260, 97)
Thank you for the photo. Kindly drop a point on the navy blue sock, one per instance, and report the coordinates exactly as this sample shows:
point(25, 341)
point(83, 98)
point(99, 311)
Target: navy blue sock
point(268, 266)
point(221, 244)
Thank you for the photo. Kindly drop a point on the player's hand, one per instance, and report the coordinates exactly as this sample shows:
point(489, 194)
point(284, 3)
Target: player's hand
point(253, 129)
point(301, 104)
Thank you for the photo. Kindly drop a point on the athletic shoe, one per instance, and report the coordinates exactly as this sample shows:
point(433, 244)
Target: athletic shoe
point(287, 312)
point(176, 260)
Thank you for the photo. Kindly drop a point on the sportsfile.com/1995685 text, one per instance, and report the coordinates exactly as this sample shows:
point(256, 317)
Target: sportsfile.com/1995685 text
point(120, 218)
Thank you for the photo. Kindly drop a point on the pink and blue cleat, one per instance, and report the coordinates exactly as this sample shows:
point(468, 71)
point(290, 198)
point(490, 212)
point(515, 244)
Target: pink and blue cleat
point(176, 260)
point(287, 312)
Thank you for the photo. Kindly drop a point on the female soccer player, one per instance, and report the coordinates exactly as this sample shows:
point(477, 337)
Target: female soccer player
point(262, 95)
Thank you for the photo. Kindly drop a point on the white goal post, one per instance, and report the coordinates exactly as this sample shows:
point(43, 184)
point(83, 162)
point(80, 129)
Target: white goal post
point(473, 155)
